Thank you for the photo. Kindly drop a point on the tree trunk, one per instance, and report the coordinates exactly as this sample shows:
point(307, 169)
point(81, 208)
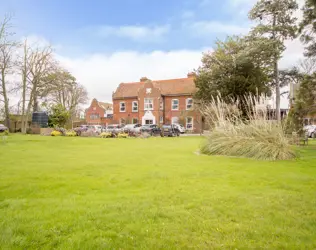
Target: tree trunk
point(6, 100)
point(277, 90)
point(24, 72)
point(276, 72)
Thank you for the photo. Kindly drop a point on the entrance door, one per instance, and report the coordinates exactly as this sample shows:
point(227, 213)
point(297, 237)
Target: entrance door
point(149, 122)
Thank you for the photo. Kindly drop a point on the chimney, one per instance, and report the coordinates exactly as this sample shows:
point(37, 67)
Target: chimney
point(144, 79)
point(191, 75)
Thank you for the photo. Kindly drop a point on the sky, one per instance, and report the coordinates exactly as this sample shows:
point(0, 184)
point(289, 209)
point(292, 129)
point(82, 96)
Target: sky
point(106, 42)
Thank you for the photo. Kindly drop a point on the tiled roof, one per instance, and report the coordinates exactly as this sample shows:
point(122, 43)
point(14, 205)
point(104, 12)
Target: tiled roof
point(105, 105)
point(181, 86)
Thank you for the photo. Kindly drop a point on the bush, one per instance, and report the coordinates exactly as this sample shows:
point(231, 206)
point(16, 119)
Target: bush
point(144, 135)
point(28, 131)
point(106, 135)
point(88, 133)
point(4, 133)
point(71, 133)
point(253, 136)
point(122, 135)
point(56, 133)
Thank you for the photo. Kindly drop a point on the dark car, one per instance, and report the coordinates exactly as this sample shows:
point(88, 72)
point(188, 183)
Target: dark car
point(150, 129)
point(169, 130)
point(3, 128)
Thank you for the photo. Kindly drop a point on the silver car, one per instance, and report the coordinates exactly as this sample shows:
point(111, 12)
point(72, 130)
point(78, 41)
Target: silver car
point(116, 128)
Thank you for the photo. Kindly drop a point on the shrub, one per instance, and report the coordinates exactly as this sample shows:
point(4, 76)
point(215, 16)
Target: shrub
point(144, 135)
point(28, 131)
point(4, 133)
point(88, 133)
point(56, 133)
point(122, 135)
point(106, 135)
point(71, 133)
point(254, 136)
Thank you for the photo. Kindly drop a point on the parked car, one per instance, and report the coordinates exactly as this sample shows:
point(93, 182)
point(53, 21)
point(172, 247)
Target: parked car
point(180, 128)
point(114, 128)
point(135, 128)
point(3, 128)
point(310, 130)
point(95, 128)
point(84, 127)
point(170, 130)
point(152, 129)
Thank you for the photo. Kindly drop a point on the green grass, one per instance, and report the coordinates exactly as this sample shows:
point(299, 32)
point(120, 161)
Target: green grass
point(91, 193)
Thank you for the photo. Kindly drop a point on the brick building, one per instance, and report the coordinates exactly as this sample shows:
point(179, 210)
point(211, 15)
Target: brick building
point(99, 113)
point(157, 102)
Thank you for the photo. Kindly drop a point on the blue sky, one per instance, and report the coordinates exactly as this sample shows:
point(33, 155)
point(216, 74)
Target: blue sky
point(104, 43)
point(142, 25)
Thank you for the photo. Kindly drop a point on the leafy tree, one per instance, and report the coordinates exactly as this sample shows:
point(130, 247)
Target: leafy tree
point(308, 27)
point(233, 69)
point(277, 23)
point(58, 115)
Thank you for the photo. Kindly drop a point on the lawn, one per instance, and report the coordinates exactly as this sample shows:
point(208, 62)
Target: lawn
point(157, 193)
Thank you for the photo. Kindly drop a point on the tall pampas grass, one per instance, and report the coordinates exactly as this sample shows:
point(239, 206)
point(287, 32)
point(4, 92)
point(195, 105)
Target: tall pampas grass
point(244, 134)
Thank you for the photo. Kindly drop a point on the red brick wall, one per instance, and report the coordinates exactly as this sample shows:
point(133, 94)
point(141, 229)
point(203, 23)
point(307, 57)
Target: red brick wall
point(128, 115)
point(94, 109)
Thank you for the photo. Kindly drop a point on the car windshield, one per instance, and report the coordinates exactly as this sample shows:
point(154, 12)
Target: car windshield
point(110, 126)
point(166, 126)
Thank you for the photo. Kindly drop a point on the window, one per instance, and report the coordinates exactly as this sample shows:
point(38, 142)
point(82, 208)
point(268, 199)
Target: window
point(135, 106)
point(161, 120)
point(148, 122)
point(94, 116)
point(189, 103)
point(148, 104)
point(175, 104)
point(161, 105)
point(189, 123)
point(174, 120)
point(135, 121)
point(122, 107)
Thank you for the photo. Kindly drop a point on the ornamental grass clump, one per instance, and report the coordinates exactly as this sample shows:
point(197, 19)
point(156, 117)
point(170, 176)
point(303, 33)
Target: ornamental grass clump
point(248, 133)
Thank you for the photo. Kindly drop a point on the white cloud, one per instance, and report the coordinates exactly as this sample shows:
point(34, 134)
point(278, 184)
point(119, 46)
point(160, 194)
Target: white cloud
point(136, 33)
point(205, 28)
point(101, 73)
point(293, 53)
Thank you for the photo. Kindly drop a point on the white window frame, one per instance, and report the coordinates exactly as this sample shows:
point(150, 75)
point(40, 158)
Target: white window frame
point(151, 121)
point(173, 104)
point(187, 123)
point(161, 105)
point(176, 118)
point(146, 103)
point(187, 103)
point(134, 107)
point(121, 107)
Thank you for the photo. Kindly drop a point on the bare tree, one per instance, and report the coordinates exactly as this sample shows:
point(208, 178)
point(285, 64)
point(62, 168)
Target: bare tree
point(36, 64)
point(7, 62)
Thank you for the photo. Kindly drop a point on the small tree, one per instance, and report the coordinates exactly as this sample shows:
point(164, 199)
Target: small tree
point(58, 115)
point(235, 68)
